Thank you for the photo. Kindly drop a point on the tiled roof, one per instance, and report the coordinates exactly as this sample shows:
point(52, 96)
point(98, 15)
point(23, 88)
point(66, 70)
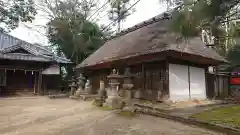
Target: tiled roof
point(9, 43)
point(151, 36)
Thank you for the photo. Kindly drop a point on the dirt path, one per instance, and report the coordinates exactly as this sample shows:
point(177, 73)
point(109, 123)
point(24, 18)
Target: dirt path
point(43, 116)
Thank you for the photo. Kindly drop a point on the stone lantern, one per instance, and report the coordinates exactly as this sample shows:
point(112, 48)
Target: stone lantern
point(81, 80)
point(73, 85)
point(88, 87)
point(114, 100)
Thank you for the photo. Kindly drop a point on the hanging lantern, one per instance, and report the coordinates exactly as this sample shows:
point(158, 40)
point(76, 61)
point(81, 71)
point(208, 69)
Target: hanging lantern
point(211, 69)
point(32, 72)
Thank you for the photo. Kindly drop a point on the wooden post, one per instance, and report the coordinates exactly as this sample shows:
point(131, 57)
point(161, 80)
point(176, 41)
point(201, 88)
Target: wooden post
point(35, 82)
point(189, 83)
point(40, 82)
point(167, 81)
point(143, 77)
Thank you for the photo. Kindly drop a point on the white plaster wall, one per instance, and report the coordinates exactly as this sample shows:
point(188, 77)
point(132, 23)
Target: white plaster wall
point(52, 70)
point(197, 83)
point(178, 82)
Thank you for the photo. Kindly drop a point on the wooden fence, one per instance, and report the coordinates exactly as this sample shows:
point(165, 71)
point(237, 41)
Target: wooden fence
point(217, 86)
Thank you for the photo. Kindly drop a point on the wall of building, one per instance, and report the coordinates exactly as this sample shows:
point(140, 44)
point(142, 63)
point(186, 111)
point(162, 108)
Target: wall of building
point(23, 76)
point(149, 78)
point(186, 82)
point(154, 77)
point(18, 81)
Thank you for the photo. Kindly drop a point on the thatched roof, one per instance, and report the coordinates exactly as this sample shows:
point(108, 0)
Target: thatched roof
point(150, 37)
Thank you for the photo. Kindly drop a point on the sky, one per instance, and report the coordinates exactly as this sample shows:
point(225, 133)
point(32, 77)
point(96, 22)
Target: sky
point(35, 34)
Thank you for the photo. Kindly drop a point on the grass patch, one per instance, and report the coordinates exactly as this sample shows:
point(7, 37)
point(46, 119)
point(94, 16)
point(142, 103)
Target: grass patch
point(229, 116)
point(107, 108)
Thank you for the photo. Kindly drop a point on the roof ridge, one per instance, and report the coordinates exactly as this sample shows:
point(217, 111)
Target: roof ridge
point(160, 17)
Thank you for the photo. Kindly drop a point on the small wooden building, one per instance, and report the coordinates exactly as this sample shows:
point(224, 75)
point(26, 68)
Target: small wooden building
point(165, 67)
point(26, 67)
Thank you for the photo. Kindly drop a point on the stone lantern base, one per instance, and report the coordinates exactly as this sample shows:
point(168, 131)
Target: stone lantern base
point(114, 102)
point(79, 92)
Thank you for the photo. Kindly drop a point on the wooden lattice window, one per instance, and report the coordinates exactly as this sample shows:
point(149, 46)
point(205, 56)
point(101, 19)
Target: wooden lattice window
point(154, 77)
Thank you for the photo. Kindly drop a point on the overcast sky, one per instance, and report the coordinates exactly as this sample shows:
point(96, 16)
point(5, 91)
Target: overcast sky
point(144, 10)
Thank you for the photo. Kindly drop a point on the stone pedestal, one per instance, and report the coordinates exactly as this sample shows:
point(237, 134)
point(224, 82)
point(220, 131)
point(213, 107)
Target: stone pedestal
point(100, 99)
point(128, 85)
point(102, 92)
point(79, 92)
point(137, 94)
point(128, 95)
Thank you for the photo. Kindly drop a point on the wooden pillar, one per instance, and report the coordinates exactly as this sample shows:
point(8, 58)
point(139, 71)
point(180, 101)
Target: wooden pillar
point(167, 77)
point(40, 90)
point(143, 77)
point(35, 82)
point(189, 83)
point(167, 81)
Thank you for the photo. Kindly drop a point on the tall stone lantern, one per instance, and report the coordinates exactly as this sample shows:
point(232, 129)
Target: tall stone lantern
point(73, 85)
point(81, 82)
point(114, 100)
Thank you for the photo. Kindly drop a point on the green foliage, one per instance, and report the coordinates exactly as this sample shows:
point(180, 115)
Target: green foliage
point(190, 17)
point(233, 54)
point(119, 11)
point(234, 29)
point(14, 11)
point(71, 33)
point(75, 39)
point(185, 23)
point(195, 15)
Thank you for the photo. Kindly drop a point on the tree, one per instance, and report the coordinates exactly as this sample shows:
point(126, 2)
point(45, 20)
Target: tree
point(69, 30)
point(202, 14)
point(119, 12)
point(14, 11)
point(217, 17)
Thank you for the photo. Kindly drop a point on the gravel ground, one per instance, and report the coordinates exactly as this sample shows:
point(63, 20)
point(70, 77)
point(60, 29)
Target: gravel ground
point(43, 116)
